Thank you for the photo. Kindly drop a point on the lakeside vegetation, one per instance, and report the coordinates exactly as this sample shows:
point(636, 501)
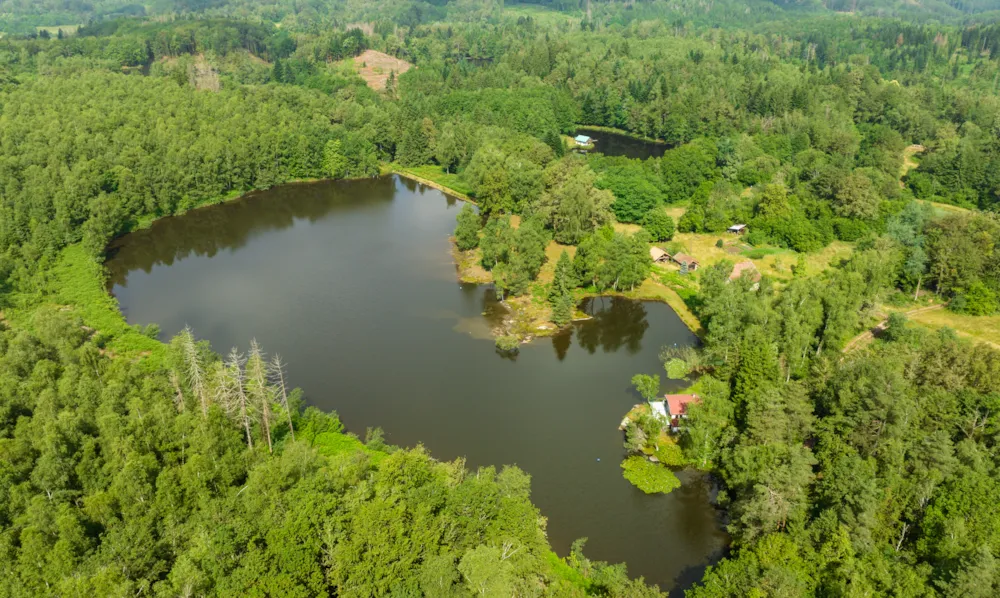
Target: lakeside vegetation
point(133, 466)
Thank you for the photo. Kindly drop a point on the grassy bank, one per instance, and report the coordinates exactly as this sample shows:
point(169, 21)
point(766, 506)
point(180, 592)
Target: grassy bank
point(436, 177)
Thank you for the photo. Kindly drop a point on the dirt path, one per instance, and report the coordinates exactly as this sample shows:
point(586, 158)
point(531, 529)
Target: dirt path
point(908, 162)
point(868, 335)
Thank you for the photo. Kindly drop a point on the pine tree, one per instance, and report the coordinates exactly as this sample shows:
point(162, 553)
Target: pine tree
point(561, 295)
point(278, 72)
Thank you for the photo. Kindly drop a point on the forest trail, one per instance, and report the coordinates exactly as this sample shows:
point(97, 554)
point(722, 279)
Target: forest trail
point(868, 335)
point(908, 162)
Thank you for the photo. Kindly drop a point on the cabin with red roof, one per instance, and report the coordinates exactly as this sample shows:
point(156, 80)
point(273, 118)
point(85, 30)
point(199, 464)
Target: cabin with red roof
point(745, 266)
point(677, 406)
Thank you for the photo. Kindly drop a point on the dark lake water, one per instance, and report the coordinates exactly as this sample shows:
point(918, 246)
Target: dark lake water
point(353, 283)
point(613, 144)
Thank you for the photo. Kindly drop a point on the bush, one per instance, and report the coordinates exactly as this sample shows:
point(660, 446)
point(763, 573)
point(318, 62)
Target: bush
point(978, 300)
point(508, 343)
point(720, 243)
point(659, 225)
point(649, 477)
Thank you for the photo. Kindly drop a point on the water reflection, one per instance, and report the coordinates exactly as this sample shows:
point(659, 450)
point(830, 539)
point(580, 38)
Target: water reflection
point(615, 323)
point(613, 144)
point(230, 226)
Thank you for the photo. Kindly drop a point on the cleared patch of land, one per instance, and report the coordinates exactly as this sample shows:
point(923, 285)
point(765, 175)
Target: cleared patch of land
point(985, 329)
point(435, 176)
point(54, 30)
point(774, 262)
point(909, 160)
point(375, 68)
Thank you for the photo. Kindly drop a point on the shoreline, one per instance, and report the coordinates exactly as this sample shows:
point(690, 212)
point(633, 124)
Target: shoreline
point(624, 133)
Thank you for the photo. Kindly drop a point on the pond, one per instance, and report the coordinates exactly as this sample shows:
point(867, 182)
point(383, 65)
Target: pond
point(352, 282)
point(616, 144)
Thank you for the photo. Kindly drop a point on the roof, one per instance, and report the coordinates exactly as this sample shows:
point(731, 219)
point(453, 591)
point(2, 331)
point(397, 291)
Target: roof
point(582, 139)
point(745, 266)
point(736, 227)
point(658, 408)
point(677, 404)
point(656, 253)
point(682, 258)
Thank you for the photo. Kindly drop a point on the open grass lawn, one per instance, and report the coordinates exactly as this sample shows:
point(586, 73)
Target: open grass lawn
point(436, 174)
point(777, 263)
point(54, 30)
point(943, 209)
point(981, 328)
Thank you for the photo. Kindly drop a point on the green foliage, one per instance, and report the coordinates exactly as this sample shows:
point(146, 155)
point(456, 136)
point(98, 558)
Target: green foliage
point(508, 343)
point(611, 260)
point(659, 225)
point(334, 161)
point(978, 300)
point(467, 230)
point(561, 294)
point(649, 477)
point(647, 386)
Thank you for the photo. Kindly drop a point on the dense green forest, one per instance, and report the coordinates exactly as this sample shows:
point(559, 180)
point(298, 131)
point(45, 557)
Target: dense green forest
point(129, 466)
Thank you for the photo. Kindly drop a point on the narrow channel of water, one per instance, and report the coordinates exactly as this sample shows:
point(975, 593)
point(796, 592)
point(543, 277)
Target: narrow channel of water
point(353, 283)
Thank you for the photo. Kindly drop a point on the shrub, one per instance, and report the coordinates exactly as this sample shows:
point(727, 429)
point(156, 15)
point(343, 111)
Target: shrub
point(720, 243)
point(978, 300)
point(659, 225)
point(508, 343)
point(649, 477)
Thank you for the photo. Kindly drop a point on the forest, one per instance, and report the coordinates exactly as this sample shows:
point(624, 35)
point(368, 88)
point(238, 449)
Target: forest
point(134, 466)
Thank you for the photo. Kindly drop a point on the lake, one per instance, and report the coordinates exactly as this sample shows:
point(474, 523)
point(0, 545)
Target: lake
point(616, 144)
point(352, 282)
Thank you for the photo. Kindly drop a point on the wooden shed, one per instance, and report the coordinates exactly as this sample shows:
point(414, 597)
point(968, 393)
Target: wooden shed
point(658, 255)
point(682, 258)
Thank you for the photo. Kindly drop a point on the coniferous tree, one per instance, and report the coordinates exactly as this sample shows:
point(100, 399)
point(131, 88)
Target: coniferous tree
point(561, 294)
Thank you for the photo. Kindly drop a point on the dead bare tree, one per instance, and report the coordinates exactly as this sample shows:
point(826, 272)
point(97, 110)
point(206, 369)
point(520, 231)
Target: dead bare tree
point(276, 369)
point(259, 390)
point(195, 371)
point(232, 392)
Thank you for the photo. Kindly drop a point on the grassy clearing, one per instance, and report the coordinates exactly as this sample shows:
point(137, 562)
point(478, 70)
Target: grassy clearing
point(770, 261)
point(375, 67)
point(435, 176)
point(76, 284)
point(540, 15)
point(981, 328)
point(54, 30)
point(910, 160)
point(945, 209)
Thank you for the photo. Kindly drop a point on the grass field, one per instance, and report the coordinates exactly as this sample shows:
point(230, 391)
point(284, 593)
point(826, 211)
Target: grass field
point(54, 31)
point(777, 263)
point(445, 181)
point(981, 328)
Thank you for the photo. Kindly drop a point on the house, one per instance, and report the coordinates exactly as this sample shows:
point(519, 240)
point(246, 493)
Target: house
point(677, 406)
point(738, 229)
point(745, 266)
point(583, 140)
point(659, 409)
point(658, 255)
point(682, 258)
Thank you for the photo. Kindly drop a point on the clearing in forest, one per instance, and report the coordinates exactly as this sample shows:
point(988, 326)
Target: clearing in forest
point(375, 67)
